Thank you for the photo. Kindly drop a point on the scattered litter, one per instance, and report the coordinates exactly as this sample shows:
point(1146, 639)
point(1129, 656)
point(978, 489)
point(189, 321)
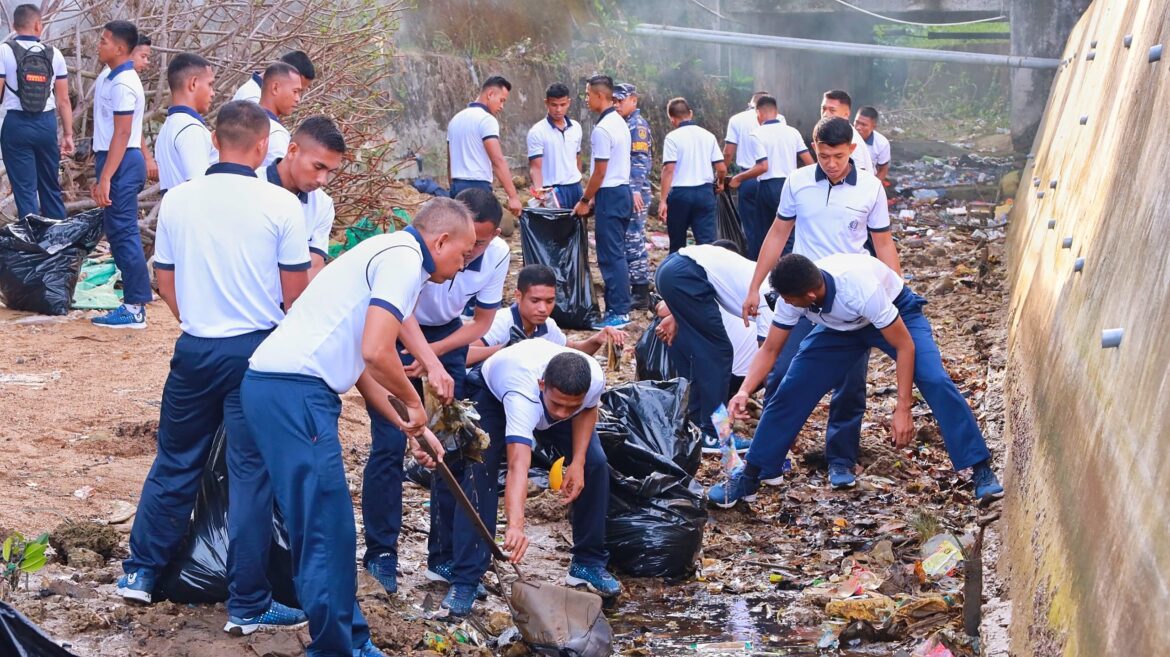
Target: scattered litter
point(83, 493)
point(943, 553)
point(28, 380)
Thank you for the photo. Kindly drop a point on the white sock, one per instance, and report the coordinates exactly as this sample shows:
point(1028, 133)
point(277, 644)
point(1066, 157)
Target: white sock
point(134, 308)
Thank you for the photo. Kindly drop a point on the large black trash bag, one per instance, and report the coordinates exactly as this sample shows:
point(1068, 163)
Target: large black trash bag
point(559, 239)
point(198, 574)
point(653, 416)
point(19, 637)
point(40, 260)
point(652, 357)
point(727, 223)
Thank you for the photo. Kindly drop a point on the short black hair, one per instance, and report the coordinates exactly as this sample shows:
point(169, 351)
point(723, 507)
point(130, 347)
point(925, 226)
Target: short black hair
point(496, 81)
point(869, 112)
point(240, 124)
point(24, 15)
point(123, 31)
point(483, 204)
point(557, 90)
point(678, 107)
point(279, 70)
point(143, 40)
point(532, 275)
point(729, 245)
point(322, 130)
point(568, 373)
point(840, 96)
point(759, 94)
point(795, 275)
point(301, 62)
point(603, 81)
point(183, 67)
point(767, 101)
point(833, 131)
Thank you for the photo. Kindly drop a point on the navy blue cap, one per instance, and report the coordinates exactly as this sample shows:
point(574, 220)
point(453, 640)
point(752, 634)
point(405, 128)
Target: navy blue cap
point(624, 90)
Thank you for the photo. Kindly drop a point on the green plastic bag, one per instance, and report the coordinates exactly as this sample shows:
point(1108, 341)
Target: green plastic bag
point(364, 229)
point(95, 287)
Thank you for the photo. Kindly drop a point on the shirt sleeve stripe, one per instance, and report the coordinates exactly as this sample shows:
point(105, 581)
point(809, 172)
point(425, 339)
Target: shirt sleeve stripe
point(165, 266)
point(59, 77)
point(487, 306)
point(320, 252)
point(521, 440)
point(786, 327)
point(491, 137)
point(601, 159)
point(783, 218)
point(300, 266)
point(535, 157)
point(883, 229)
point(762, 159)
point(123, 113)
point(386, 305)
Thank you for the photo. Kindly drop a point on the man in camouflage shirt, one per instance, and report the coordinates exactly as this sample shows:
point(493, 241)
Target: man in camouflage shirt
point(625, 98)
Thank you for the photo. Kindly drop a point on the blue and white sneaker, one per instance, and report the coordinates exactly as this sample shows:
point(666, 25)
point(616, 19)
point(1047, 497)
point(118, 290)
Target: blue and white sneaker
point(775, 477)
point(384, 568)
point(122, 318)
point(277, 617)
point(136, 586)
point(711, 444)
point(368, 649)
point(594, 578)
point(987, 485)
point(738, 487)
point(841, 476)
point(442, 573)
point(612, 320)
point(460, 599)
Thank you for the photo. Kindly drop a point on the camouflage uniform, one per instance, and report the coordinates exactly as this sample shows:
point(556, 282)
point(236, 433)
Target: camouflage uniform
point(640, 163)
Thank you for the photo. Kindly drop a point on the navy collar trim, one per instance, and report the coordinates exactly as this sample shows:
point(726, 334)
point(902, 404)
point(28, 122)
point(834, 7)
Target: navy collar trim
point(544, 409)
point(568, 124)
point(476, 264)
point(826, 306)
point(683, 124)
point(273, 176)
point(231, 167)
point(272, 115)
point(258, 79)
point(606, 112)
point(480, 105)
point(518, 322)
point(771, 121)
point(851, 178)
point(428, 261)
point(26, 37)
point(189, 111)
point(868, 141)
point(127, 65)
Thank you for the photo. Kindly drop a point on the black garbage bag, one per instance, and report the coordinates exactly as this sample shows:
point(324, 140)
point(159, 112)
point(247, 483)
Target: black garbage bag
point(652, 357)
point(199, 573)
point(652, 415)
point(19, 637)
point(727, 224)
point(559, 239)
point(40, 260)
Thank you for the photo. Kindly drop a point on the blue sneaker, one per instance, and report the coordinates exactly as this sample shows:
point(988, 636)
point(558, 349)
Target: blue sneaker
point(121, 318)
point(612, 320)
point(368, 650)
point(741, 444)
point(841, 476)
point(459, 600)
point(775, 477)
point(136, 586)
point(384, 568)
point(594, 578)
point(986, 483)
point(440, 573)
point(738, 487)
point(277, 617)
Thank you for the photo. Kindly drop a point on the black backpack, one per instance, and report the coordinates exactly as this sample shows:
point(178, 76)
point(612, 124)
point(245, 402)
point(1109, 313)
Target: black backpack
point(34, 73)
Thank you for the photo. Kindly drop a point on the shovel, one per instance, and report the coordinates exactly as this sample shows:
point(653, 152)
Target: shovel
point(556, 621)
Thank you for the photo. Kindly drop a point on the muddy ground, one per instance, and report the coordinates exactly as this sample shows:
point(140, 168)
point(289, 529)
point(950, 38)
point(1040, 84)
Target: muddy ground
point(81, 410)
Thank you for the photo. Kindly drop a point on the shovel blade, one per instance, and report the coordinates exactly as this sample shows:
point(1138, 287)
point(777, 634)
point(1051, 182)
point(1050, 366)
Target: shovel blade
point(560, 621)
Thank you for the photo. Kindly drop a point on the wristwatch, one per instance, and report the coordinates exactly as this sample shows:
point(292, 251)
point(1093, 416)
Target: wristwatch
point(586, 200)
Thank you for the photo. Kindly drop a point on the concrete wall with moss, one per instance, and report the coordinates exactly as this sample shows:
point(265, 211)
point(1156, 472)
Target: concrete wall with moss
point(1088, 542)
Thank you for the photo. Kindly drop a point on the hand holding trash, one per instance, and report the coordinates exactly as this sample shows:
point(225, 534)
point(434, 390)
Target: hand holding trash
point(515, 542)
point(611, 334)
point(903, 428)
point(667, 330)
point(573, 482)
point(737, 406)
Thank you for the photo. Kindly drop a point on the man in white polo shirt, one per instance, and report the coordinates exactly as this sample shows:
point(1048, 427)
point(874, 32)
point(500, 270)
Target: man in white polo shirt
point(183, 147)
point(251, 88)
point(778, 150)
point(227, 301)
point(280, 96)
point(876, 143)
point(314, 156)
point(536, 390)
point(739, 127)
point(437, 340)
point(608, 194)
point(474, 153)
point(554, 146)
point(691, 162)
point(857, 303)
point(833, 208)
point(344, 327)
point(839, 103)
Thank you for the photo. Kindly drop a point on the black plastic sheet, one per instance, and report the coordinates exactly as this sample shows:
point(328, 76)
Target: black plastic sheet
point(727, 223)
point(19, 637)
point(651, 356)
point(199, 573)
point(40, 260)
point(559, 239)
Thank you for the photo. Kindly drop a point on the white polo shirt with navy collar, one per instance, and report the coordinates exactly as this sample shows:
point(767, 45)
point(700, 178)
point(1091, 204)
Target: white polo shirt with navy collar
point(11, 80)
point(859, 291)
point(322, 334)
point(610, 142)
point(117, 92)
point(780, 145)
point(250, 90)
point(692, 150)
point(227, 236)
point(739, 127)
point(316, 206)
point(557, 149)
point(278, 139)
point(832, 219)
point(466, 134)
point(513, 376)
point(183, 147)
point(861, 158)
point(730, 274)
point(504, 322)
point(482, 279)
point(879, 148)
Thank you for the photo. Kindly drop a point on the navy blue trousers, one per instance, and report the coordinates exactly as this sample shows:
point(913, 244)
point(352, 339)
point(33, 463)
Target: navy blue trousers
point(613, 207)
point(588, 514)
point(746, 205)
point(460, 184)
point(821, 363)
point(690, 208)
point(767, 203)
point(292, 421)
point(383, 475)
point(568, 195)
point(701, 351)
point(28, 142)
point(121, 224)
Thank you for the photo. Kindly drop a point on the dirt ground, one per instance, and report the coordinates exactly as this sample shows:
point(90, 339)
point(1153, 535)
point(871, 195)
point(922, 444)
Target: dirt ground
point(81, 410)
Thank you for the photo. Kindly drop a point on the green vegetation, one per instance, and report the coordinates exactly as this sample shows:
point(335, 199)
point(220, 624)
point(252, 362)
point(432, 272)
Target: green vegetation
point(21, 556)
